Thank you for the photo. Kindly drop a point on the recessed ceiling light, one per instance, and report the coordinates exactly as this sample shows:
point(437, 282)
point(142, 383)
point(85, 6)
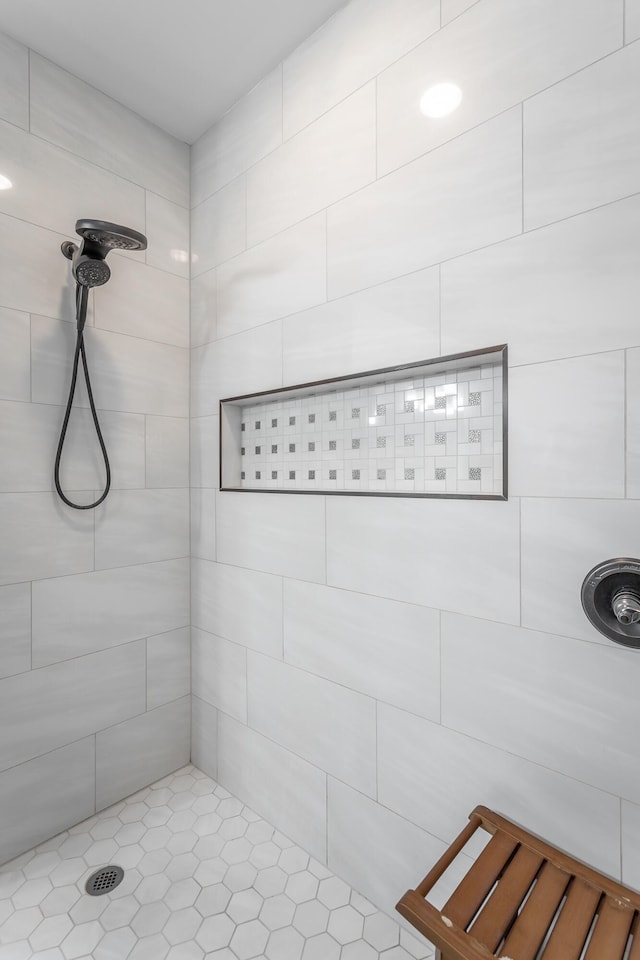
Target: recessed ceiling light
point(440, 100)
point(5, 183)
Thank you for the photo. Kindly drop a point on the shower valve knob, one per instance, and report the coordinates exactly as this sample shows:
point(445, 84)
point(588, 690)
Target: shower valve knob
point(626, 607)
point(611, 600)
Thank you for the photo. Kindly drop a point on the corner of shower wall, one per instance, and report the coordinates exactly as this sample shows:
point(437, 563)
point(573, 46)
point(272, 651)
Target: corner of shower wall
point(94, 606)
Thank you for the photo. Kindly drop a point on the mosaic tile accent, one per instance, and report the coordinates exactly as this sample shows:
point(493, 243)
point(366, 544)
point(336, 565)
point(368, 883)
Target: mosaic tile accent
point(435, 433)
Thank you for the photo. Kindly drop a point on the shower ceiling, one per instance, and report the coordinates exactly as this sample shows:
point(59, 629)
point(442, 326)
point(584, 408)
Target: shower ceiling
point(179, 64)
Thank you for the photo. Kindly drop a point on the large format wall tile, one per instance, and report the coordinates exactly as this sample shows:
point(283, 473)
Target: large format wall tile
point(219, 673)
point(204, 452)
point(168, 667)
point(204, 737)
point(204, 309)
point(240, 605)
point(40, 798)
point(203, 523)
point(633, 423)
point(559, 702)
point(76, 615)
point(388, 650)
point(453, 8)
point(310, 716)
point(39, 282)
point(392, 323)
point(128, 374)
point(31, 431)
point(289, 792)
point(76, 116)
point(14, 82)
point(498, 53)
point(167, 451)
point(218, 227)
point(137, 752)
point(353, 46)
point(547, 293)
point(244, 363)
point(15, 359)
point(452, 554)
point(139, 526)
point(435, 777)
point(465, 195)
point(579, 148)
point(47, 708)
point(631, 844)
point(632, 20)
point(168, 235)
point(283, 275)
point(584, 400)
point(15, 629)
point(333, 157)
point(562, 540)
point(43, 538)
point(249, 131)
point(277, 534)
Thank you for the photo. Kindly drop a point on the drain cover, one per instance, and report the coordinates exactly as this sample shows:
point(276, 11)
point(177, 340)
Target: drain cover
point(104, 880)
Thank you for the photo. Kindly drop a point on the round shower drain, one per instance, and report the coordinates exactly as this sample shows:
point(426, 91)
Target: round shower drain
point(104, 880)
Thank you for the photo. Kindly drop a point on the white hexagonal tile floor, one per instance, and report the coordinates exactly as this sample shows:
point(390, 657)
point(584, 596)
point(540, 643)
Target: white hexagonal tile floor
point(205, 878)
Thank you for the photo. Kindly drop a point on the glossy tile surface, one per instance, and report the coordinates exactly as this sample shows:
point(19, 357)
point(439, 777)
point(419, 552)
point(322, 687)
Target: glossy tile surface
point(631, 844)
point(203, 523)
point(168, 667)
point(633, 423)
point(632, 20)
point(204, 876)
point(218, 227)
point(14, 81)
point(219, 673)
point(167, 452)
point(453, 8)
point(15, 361)
point(138, 510)
point(450, 205)
point(15, 628)
point(168, 234)
point(579, 149)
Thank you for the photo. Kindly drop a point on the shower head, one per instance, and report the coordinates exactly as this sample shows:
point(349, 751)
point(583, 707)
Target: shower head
point(98, 238)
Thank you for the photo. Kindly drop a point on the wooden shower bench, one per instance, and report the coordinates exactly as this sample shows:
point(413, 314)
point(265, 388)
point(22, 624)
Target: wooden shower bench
point(520, 895)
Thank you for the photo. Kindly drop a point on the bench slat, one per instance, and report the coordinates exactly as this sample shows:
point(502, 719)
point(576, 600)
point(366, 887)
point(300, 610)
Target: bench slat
point(497, 914)
point(463, 905)
point(576, 917)
point(611, 932)
point(529, 930)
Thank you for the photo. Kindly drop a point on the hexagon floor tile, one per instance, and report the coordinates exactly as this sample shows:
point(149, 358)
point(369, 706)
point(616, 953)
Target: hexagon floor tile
point(205, 878)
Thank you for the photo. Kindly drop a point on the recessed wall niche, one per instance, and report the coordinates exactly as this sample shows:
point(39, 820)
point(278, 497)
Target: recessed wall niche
point(436, 428)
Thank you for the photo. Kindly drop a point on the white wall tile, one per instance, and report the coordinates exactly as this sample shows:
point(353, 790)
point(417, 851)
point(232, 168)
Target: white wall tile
point(633, 423)
point(562, 540)
point(435, 777)
point(15, 361)
point(48, 708)
point(204, 737)
point(241, 605)
point(204, 308)
point(14, 81)
point(244, 363)
point(139, 526)
point(76, 615)
point(141, 301)
point(289, 792)
point(545, 293)
point(353, 46)
point(388, 650)
point(250, 130)
point(219, 673)
point(40, 282)
point(42, 538)
point(205, 445)
point(632, 20)
point(392, 323)
point(328, 160)
point(453, 8)
point(310, 716)
point(31, 431)
point(203, 523)
point(579, 148)
point(277, 534)
point(218, 227)
point(135, 753)
point(465, 195)
point(127, 374)
point(560, 702)
point(76, 116)
point(53, 188)
point(31, 814)
point(15, 629)
point(493, 53)
point(379, 853)
point(431, 552)
point(631, 844)
point(168, 667)
point(167, 230)
point(283, 275)
point(562, 412)
point(167, 451)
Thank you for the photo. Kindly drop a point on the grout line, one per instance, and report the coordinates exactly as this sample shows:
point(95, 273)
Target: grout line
point(376, 754)
point(376, 143)
point(624, 22)
point(30, 626)
point(522, 162)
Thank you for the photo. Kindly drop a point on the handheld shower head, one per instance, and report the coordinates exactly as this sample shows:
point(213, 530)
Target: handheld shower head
point(98, 238)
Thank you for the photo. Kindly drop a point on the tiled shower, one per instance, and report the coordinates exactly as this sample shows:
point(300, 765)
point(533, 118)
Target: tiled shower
point(352, 667)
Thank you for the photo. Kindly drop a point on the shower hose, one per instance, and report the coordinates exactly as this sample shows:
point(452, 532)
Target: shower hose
point(82, 295)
